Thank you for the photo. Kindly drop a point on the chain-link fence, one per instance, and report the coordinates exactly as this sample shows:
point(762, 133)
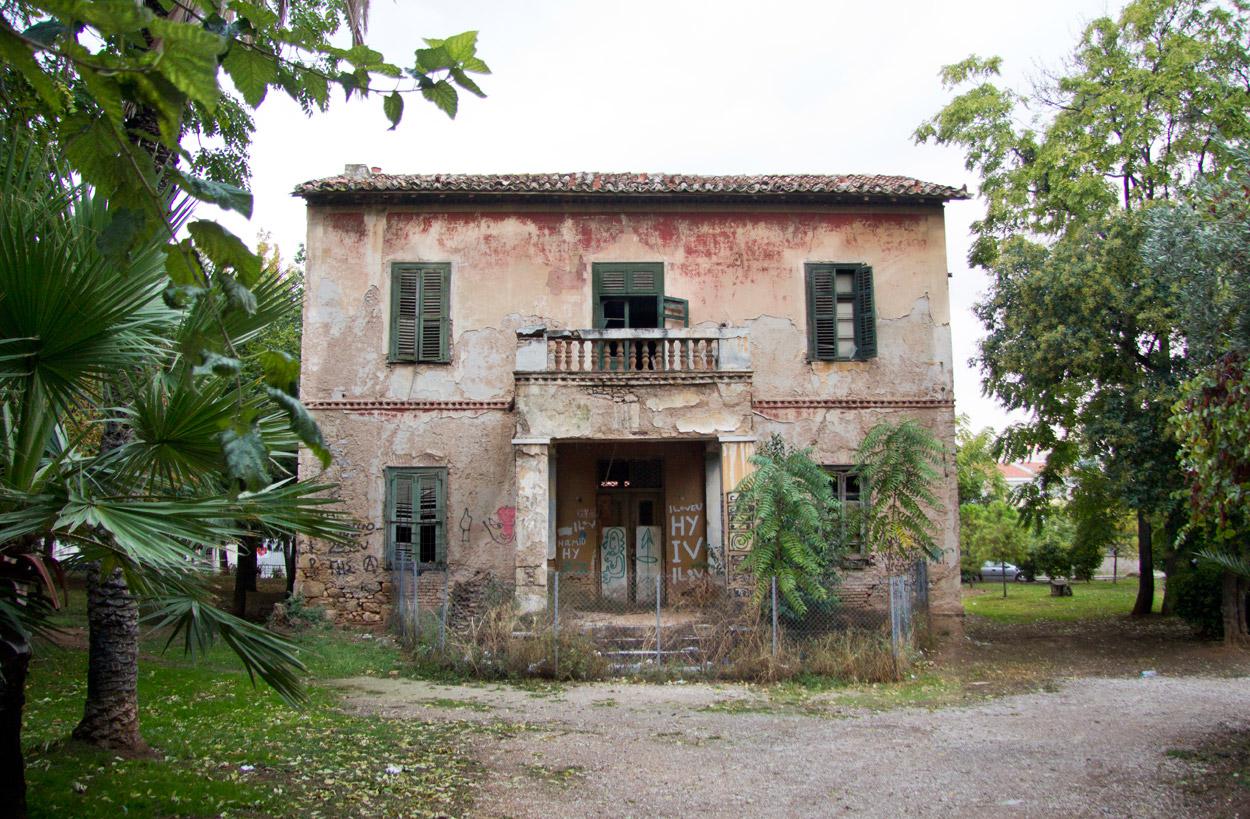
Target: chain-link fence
point(594, 626)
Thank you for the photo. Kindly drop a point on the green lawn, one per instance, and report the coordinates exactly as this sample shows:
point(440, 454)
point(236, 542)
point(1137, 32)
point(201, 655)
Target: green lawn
point(1029, 602)
point(206, 721)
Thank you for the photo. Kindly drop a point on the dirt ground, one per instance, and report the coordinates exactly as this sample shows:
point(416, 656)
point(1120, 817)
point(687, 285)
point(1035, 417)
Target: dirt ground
point(1037, 720)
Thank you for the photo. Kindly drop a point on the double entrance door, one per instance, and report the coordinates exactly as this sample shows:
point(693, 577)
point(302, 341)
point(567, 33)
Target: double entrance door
point(631, 545)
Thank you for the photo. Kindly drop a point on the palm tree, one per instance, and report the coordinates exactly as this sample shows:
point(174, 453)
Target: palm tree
point(92, 335)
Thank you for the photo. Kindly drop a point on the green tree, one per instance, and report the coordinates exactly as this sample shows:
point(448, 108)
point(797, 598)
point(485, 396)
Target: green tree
point(1213, 424)
point(1099, 517)
point(977, 468)
point(277, 343)
point(1080, 335)
point(119, 87)
point(991, 532)
point(80, 330)
point(1134, 115)
point(898, 464)
point(1204, 245)
point(789, 505)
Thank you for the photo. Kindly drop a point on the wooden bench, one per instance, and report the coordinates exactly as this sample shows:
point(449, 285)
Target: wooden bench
point(1060, 588)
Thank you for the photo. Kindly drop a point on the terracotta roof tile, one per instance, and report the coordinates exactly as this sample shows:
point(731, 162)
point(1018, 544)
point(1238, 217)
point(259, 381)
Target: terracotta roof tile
point(633, 184)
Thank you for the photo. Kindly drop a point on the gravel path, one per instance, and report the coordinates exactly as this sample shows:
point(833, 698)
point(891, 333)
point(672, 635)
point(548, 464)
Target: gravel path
point(1094, 747)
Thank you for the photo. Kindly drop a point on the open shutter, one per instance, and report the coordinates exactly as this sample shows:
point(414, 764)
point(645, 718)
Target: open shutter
point(822, 316)
point(865, 315)
point(431, 513)
point(400, 531)
point(677, 311)
point(404, 288)
point(416, 512)
point(434, 315)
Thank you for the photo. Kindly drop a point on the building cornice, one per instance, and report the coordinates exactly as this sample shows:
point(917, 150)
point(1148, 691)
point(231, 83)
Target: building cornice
point(852, 403)
point(361, 405)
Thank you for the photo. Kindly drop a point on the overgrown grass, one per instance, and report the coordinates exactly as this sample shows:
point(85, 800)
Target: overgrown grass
point(1031, 602)
point(206, 722)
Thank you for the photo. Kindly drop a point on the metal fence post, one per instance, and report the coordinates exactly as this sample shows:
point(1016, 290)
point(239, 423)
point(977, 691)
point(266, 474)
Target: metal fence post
point(658, 656)
point(895, 620)
point(416, 604)
point(442, 623)
point(555, 625)
point(774, 615)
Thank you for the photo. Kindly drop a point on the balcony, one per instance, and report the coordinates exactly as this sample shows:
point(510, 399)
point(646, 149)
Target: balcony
point(633, 383)
point(634, 353)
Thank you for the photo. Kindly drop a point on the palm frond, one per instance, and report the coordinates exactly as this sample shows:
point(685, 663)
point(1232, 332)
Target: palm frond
point(263, 653)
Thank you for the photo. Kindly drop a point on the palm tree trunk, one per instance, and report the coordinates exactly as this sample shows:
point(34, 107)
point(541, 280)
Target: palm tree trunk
point(1233, 607)
point(14, 663)
point(110, 716)
point(1145, 566)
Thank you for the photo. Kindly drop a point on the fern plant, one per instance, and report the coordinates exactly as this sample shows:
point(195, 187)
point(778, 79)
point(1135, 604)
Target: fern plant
point(788, 505)
point(900, 463)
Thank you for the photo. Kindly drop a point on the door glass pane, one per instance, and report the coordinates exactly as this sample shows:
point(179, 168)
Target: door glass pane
point(646, 513)
point(845, 284)
point(614, 313)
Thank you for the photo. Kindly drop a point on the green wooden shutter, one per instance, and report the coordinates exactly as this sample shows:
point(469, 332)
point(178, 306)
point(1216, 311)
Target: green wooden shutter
point(432, 514)
point(416, 511)
point(677, 310)
point(404, 288)
point(822, 313)
point(400, 531)
point(626, 279)
point(865, 315)
point(434, 316)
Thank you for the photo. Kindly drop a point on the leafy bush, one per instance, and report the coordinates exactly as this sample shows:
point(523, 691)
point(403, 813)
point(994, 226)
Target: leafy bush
point(898, 464)
point(1050, 552)
point(1198, 593)
point(789, 506)
point(296, 615)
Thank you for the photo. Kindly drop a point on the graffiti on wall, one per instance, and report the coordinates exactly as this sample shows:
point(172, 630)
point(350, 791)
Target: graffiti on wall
point(573, 542)
point(738, 524)
point(466, 525)
point(688, 558)
point(647, 567)
point(502, 525)
point(358, 539)
point(612, 575)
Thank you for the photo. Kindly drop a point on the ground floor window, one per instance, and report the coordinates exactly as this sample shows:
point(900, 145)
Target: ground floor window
point(416, 514)
point(847, 489)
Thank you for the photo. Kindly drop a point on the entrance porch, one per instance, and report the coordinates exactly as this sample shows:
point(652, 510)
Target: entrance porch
point(625, 523)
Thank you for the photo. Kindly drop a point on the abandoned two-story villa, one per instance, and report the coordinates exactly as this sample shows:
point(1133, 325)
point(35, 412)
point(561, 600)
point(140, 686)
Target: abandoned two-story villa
point(526, 373)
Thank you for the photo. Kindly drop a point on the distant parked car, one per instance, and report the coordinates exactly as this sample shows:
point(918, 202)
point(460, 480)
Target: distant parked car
point(997, 571)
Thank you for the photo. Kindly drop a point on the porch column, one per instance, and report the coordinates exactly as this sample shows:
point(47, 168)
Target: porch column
point(735, 464)
point(532, 529)
point(714, 494)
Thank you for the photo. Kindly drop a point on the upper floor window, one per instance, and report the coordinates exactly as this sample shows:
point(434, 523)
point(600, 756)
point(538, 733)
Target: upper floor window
point(841, 319)
point(416, 515)
point(631, 295)
point(420, 314)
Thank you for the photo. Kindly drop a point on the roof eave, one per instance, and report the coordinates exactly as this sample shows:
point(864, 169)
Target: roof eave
point(359, 196)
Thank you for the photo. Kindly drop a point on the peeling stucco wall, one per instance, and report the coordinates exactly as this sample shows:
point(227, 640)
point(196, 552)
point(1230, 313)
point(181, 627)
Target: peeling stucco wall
point(521, 266)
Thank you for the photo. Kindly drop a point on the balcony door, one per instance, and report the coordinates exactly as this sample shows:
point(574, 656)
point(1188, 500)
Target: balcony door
point(628, 295)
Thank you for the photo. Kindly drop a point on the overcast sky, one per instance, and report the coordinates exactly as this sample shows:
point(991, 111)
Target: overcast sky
point(677, 86)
